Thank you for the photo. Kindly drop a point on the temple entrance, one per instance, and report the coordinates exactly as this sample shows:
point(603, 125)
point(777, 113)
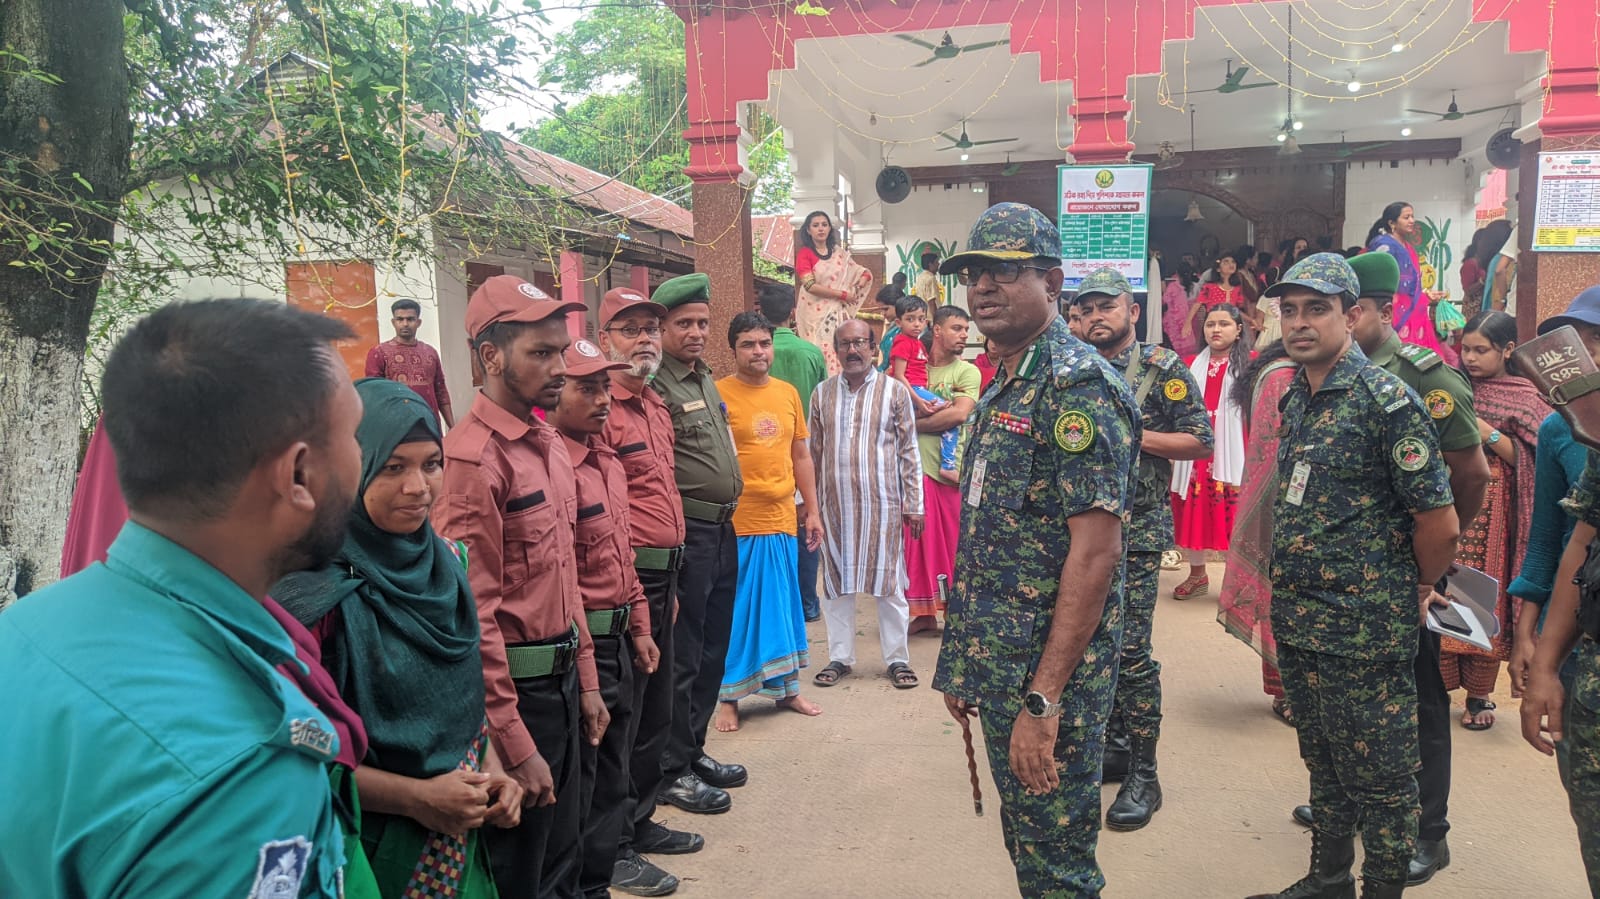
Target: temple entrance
point(1184, 224)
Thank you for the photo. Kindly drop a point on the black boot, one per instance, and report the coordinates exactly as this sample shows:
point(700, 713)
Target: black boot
point(1381, 889)
point(1329, 878)
point(1432, 857)
point(1114, 763)
point(1139, 798)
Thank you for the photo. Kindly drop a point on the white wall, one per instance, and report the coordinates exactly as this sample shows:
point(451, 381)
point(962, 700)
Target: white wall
point(1439, 191)
point(934, 214)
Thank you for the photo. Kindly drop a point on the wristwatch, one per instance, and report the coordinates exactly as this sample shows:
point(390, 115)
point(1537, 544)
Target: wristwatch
point(1039, 706)
point(1494, 437)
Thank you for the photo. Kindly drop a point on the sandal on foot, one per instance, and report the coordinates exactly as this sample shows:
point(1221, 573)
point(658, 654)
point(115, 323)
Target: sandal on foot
point(830, 675)
point(1280, 707)
point(901, 675)
point(1191, 587)
point(1475, 709)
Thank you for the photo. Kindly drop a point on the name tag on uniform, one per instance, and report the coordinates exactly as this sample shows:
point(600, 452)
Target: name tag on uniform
point(975, 483)
point(694, 405)
point(1297, 483)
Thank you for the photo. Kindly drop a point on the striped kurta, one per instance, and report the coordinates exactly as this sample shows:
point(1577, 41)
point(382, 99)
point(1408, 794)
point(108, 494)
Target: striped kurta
point(864, 445)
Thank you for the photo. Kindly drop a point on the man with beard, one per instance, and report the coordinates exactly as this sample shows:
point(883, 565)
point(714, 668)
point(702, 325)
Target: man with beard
point(153, 723)
point(707, 471)
point(639, 428)
point(1363, 526)
point(1176, 426)
point(510, 496)
point(1034, 622)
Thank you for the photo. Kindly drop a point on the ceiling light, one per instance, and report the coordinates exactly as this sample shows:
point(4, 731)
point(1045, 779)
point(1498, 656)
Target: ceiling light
point(1406, 131)
point(1354, 85)
point(1398, 45)
point(964, 157)
point(1290, 147)
point(1298, 124)
point(1194, 214)
point(1282, 136)
point(977, 188)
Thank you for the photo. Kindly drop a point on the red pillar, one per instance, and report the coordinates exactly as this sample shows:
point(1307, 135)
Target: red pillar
point(572, 292)
point(639, 279)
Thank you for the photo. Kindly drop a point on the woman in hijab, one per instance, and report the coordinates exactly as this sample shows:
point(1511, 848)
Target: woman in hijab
point(399, 633)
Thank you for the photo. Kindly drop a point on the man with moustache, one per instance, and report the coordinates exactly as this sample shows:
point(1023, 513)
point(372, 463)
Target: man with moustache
point(707, 470)
point(510, 496)
point(1363, 527)
point(639, 428)
point(613, 601)
point(153, 724)
point(1031, 634)
point(1176, 426)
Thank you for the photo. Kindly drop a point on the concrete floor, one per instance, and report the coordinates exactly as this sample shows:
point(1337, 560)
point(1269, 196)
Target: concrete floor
point(872, 798)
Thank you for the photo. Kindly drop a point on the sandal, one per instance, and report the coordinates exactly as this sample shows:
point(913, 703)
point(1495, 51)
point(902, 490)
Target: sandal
point(830, 675)
point(1280, 707)
point(1171, 560)
point(1476, 708)
point(901, 675)
point(1191, 587)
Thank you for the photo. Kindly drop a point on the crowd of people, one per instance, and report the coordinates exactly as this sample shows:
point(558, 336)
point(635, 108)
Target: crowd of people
point(475, 662)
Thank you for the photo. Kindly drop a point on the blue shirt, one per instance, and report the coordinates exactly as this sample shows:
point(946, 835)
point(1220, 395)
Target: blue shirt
point(154, 750)
point(1558, 463)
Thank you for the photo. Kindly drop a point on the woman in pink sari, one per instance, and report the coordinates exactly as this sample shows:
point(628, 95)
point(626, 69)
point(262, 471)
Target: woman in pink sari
point(831, 288)
point(1176, 299)
point(1396, 232)
point(1245, 606)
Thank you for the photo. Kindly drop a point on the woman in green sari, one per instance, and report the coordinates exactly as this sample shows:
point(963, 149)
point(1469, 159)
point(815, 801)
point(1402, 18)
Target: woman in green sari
point(399, 634)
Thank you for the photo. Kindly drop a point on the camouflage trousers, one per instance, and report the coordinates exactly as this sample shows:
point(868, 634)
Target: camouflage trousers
point(1138, 703)
point(1357, 723)
point(1579, 756)
point(1051, 838)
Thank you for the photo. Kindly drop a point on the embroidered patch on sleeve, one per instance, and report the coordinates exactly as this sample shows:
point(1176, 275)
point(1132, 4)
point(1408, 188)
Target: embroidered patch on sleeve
point(1410, 454)
point(281, 868)
point(1175, 389)
point(1074, 431)
point(1440, 404)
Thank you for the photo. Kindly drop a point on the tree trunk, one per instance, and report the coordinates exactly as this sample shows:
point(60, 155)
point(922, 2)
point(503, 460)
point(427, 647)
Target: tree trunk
point(54, 230)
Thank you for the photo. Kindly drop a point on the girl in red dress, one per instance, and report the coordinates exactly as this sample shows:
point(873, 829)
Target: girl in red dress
point(1206, 491)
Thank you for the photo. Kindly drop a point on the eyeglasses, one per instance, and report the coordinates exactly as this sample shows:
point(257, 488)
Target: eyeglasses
point(862, 342)
point(1001, 272)
point(632, 331)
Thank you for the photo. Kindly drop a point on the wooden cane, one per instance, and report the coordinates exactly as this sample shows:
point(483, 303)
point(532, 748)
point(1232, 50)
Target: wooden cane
point(972, 765)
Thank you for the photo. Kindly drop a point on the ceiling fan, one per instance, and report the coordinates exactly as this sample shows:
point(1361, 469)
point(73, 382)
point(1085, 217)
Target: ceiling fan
point(1345, 151)
point(1011, 167)
point(947, 48)
point(1453, 112)
point(1234, 81)
point(967, 143)
point(1167, 157)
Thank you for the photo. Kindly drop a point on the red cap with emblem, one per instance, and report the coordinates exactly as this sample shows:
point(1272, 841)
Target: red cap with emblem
point(507, 298)
point(584, 358)
point(620, 299)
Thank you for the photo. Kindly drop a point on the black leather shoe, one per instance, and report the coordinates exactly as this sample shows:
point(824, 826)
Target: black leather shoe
point(1432, 857)
point(656, 839)
point(1139, 798)
point(636, 876)
point(1302, 816)
point(717, 774)
point(1381, 889)
point(692, 794)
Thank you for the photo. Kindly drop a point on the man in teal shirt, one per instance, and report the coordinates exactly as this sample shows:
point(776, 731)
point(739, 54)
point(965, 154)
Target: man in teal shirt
point(156, 752)
point(800, 363)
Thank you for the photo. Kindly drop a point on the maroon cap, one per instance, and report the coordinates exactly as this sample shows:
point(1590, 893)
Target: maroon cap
point(584, 358)
point(620, 299)
point(507, 298)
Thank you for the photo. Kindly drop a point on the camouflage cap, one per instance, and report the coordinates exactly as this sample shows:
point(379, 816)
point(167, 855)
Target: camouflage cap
point(1323, 272)
point(1010, 231)
point(1103, 282)
point(1378, 273)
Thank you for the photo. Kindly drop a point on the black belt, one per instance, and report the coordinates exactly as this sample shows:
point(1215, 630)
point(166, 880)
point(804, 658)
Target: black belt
point(716, 513)
point(655, 558)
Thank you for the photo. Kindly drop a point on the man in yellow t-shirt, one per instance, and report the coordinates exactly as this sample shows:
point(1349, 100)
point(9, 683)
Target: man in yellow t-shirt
point(927, 285)
point(768, 645)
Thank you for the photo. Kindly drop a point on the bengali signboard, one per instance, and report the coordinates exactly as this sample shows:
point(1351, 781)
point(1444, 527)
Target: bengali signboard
point(1566, 217)
point(1104, 220)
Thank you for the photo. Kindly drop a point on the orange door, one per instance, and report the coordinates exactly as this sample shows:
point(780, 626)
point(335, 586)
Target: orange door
point(346, 291)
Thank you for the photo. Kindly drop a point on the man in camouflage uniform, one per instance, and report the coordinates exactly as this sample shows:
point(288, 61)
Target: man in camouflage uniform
point(1364, 527)
point(1035, 621)
point(1176, 426)
point(1573, 720)
point(1447, 395)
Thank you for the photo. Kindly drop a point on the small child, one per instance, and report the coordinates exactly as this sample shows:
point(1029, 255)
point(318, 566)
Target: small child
point(908, 364)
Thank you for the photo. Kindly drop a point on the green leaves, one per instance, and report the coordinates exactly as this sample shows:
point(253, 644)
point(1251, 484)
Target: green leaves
point(806, 8)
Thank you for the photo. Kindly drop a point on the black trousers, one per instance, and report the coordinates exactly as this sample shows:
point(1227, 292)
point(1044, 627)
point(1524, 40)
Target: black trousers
point(652, 708)
point(705, 617)
point(605, 767)
point(538, 859)
point(1433, 739)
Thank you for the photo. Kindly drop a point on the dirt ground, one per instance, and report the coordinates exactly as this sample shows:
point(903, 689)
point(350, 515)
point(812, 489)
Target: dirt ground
point(872, 798)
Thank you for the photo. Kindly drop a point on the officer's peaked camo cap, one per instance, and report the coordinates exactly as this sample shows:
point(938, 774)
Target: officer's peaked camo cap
point(1008, 231)
point(1323, 272)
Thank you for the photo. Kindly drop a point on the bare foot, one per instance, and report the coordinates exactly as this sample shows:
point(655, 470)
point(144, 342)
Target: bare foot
point(800, 704)
point(727, 719)
point(922, 624)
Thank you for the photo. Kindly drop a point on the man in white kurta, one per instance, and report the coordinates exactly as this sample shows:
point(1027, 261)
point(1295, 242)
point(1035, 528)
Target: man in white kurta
point(869, 487)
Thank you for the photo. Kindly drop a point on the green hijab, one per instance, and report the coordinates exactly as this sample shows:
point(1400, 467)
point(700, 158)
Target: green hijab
point(401, 628)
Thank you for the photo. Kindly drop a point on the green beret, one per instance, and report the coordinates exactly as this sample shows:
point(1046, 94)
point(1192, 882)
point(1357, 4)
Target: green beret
point(1379, 274)
point(674, 292)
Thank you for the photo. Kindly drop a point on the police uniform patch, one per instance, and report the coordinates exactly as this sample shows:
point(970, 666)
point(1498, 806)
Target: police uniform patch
point(281, 868)
point(1074, 431)
point(1440, 404)
point(1410, 454)
point(1175, 389)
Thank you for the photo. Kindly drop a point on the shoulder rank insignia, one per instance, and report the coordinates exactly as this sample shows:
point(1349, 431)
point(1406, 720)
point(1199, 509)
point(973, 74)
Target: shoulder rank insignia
point(1420, 356)
point(1175, 390)
point(1440, 404)
point(1074, 431)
